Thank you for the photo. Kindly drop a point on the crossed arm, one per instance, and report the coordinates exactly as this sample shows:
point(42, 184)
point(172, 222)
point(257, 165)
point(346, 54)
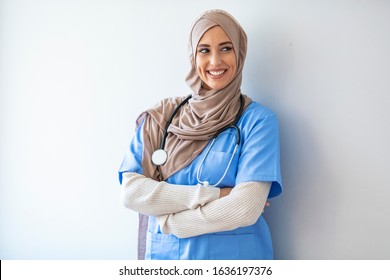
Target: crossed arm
point(186, 211)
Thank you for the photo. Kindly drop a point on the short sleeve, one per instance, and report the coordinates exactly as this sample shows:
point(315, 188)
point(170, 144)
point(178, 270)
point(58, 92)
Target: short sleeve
point(132, 161)
point(260, 153)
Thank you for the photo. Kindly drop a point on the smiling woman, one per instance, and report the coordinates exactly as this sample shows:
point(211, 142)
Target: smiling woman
point(215, 60)
point(222, 149)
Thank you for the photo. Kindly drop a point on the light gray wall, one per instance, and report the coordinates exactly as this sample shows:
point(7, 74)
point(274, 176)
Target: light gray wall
point(74, 75)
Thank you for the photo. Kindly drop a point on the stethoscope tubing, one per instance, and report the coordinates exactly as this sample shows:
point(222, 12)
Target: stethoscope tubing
point(164, 138)
point(160, 156)
point(227, 127)
point(206, 183)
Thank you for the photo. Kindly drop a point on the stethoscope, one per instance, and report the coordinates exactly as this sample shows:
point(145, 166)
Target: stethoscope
point(159, 156)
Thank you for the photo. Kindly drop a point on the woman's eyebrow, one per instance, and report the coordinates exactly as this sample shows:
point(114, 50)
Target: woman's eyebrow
point(220, 44)
point(203, 46)
point(226, 43)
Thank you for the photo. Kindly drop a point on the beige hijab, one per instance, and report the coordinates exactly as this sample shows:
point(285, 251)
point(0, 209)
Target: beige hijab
point(204, 114)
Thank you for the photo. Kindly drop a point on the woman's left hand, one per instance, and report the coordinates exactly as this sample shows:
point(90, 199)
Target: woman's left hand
point(266, 205)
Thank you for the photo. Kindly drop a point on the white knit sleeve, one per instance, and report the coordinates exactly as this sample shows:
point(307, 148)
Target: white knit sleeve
point(154, 198)
point(242, 207)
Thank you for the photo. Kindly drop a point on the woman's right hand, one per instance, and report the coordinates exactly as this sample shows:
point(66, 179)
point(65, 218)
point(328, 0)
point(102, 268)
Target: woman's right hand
point(224, 192)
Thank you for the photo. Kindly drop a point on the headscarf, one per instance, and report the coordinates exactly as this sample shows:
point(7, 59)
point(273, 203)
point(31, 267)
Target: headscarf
point(201, 117)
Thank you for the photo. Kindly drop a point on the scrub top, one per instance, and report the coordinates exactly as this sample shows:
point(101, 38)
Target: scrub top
point(257, 159)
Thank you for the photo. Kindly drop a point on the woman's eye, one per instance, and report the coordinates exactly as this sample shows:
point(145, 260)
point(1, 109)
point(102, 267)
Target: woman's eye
point(203, 50)
point(226, 49)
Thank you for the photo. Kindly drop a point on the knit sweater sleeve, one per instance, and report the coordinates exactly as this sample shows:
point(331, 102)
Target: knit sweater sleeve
point(242, 207)
point(153, 198)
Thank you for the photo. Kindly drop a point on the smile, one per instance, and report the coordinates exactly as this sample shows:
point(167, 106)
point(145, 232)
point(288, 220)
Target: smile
point(216, 73)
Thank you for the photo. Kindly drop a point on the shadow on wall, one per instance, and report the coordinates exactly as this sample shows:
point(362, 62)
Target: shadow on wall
point(295, 218)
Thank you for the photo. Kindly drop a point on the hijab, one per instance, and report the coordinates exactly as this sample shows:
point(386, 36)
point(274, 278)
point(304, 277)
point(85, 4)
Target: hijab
point(200, 118)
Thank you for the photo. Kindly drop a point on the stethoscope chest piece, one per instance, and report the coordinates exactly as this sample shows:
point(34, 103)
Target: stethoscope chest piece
point(159, 157)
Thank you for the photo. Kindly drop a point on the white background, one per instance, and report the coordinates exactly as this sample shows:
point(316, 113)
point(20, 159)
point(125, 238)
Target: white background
point(74, 75)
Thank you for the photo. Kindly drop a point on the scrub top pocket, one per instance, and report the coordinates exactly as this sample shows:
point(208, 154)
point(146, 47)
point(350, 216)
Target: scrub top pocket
point(162, 247)
point(232, 246)
point(214, 167)
point(217, 160)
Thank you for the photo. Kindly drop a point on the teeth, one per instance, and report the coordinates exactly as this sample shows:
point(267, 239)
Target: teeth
point(216, 73)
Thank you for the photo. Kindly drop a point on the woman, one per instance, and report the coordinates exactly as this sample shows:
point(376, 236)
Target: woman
point(204, 197)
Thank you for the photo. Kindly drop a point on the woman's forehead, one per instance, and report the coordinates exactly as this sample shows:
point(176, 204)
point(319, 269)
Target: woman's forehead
point(214, 35)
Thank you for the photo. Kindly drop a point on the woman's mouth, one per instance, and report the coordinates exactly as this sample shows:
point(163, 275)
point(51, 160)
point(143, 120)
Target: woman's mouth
point(215, 74)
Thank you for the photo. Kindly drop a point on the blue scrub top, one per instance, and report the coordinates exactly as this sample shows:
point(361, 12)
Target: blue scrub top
point(257, 159)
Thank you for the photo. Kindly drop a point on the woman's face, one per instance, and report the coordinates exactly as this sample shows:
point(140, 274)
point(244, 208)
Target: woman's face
point(215, 59)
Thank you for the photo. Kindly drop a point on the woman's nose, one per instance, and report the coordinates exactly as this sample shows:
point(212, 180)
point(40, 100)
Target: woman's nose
point(215, 59)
